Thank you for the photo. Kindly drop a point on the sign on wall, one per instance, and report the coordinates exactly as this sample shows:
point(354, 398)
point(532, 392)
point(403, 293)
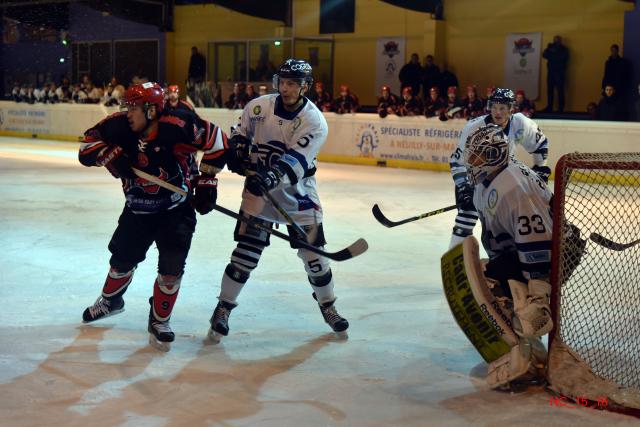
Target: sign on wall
point(522, 62)
point(24, 119)
point(389, 60)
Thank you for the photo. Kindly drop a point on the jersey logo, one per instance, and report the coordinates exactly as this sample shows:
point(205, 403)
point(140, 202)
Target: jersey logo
point(270, 152)
point(142, 145)
point(257, 110)
point(492, 200)
point(296, 123)
point(518, 135)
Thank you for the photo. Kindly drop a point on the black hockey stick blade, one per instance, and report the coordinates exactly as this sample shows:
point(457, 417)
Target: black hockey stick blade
point(356, 248)
point(610, 244)
point(377, 213)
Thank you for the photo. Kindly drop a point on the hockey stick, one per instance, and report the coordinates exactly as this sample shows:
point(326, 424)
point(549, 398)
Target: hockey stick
point(610, 244)
point(356, 248)
point(388, 223)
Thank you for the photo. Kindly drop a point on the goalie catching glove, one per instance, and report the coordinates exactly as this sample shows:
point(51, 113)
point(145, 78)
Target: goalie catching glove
point(206, 194)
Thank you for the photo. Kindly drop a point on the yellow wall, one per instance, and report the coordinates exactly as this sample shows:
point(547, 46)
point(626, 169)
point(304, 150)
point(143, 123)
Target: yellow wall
point(470, 39)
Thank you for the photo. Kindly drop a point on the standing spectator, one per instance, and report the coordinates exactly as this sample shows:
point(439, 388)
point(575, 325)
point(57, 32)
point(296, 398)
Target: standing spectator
point(410, 74)
point(617, 73)
point(410, 105)
point(557, 56)
point(238, 99)
point(347, 102)
point(523, 104)
point(636, 107)
point(430, 76)
point(611, 107)
point(264, 68)
point(320, 97)
point(473, 105)
point(454, 108)
point(387, 102)
point(447, 79)
point(197, 66)
point(434, 105)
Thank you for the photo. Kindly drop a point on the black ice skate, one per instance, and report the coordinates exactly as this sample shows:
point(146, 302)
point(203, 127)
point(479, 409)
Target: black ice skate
point(338, 323)
point(103, 308)
point(160, 334)
point(220, 321)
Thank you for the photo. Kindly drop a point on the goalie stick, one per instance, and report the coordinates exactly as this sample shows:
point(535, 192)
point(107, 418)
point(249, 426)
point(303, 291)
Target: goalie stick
point(356, 248)
point(610, 244)
point(377, 213)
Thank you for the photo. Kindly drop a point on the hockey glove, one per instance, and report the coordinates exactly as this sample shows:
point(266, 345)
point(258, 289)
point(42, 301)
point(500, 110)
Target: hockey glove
point(543, 172)
point(265, 180)
point(238, 155)
point(116, 161)
point(206, 194)
point(464, 197)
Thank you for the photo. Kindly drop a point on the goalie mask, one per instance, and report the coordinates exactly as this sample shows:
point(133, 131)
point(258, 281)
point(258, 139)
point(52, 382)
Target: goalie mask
point(486, 152)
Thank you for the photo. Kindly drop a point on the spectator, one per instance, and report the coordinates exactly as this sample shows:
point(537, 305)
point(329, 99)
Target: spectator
point(410, 105)
point(78, 94)
point(636, 107)
point(40, 95)
point(197, 66)
point(410, 74)
point(557, 56)
point(107, 98)
point(64, 91)
point(447, 79)
point(611, 107)
point(52, 97)
point(238, 99)
point(320, 97)
point(347, 102)
point(485, 101)
point(94, 94)
point(30, 95)
point(523, 104)
point(15, 92)
point(617, 73)
point(473, 105)
point(262, 90)
point(454, 108)
point(434, 105)
point(430, 76)
point(264, 68)
point(592, 110)
point(251, 93)
point(387, 102)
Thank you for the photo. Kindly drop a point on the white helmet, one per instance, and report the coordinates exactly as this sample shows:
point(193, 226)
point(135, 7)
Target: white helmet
point(486, 151)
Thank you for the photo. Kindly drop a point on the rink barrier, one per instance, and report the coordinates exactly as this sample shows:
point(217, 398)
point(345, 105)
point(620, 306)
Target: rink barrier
point(360, 139)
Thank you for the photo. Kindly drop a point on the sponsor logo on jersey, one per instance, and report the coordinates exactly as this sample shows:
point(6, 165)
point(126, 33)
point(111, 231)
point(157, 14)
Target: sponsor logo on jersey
point(296, 123)
point(492, 200)
point(142, 145)
point(539, 256)
point(367, 140)
point(257, 110)
point(519, 135)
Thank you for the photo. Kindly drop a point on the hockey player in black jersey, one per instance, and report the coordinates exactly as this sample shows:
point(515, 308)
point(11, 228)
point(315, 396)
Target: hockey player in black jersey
point(161, 143)
point(174, 102)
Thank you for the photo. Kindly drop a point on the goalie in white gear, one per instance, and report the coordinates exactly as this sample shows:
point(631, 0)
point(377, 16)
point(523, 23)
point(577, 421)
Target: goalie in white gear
point(519, 129)
point(513, 204)
point(275, 147)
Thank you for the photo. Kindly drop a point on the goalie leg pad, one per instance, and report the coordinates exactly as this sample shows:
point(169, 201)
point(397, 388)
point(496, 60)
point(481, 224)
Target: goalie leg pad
point(531, 306)
point(525, 363)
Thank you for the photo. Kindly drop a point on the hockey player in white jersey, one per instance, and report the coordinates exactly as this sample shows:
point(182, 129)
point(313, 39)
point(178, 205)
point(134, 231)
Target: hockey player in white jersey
point(275, 145)
point(519, 129)
point(513, 204)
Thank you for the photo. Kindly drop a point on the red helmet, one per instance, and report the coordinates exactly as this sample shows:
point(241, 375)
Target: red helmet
point(344, 88)
point(145, 94)
point(173, 88)
point(385, 87)
point(452, 90)
point(520, 92)
point(407, 90)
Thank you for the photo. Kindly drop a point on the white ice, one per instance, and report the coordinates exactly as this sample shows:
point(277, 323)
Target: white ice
point(406, 362)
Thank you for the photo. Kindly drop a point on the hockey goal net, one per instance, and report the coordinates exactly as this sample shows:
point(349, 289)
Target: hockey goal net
point(594, 349)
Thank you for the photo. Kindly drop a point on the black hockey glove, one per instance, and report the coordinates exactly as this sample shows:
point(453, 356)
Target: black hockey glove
point(238, 155)
point(543, 172)
point(464, 197)
point(265, 180)
point(116, 161)
point(206, 194)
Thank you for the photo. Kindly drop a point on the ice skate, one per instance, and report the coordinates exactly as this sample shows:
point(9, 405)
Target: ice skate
point(103, 308)
point(220, 321)
point(160, 334)
point(338, 323)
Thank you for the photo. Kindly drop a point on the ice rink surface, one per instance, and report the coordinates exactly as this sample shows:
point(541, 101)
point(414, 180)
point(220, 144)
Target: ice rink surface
point(406, 362)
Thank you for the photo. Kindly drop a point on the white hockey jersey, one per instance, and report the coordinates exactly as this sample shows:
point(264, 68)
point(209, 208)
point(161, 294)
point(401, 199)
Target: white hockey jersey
point(294, 138)
point(515, 212)
point(521, 130)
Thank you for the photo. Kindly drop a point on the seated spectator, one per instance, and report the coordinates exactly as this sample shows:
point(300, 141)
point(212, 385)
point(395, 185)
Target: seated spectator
point(611, 107)
point(523, 104)
point(51, 95)
point(238, 99)
point(473, 105)
point(592, 110)
point(251, 93)
point(15, 92)
point(40, 95)
point(107, 98)
point(454, 108)
point(94, 93)
point(489, 91)
point(63, 92)
point(78, 94)
point(29, 96)
point(320, 97)
point(387, 102)
point(173, 100)
point(434, 105)
point(410, 105)
point(347, 102)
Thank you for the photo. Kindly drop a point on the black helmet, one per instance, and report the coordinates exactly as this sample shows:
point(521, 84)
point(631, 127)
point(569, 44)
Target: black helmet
point(502, 96)
point(294, 69)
